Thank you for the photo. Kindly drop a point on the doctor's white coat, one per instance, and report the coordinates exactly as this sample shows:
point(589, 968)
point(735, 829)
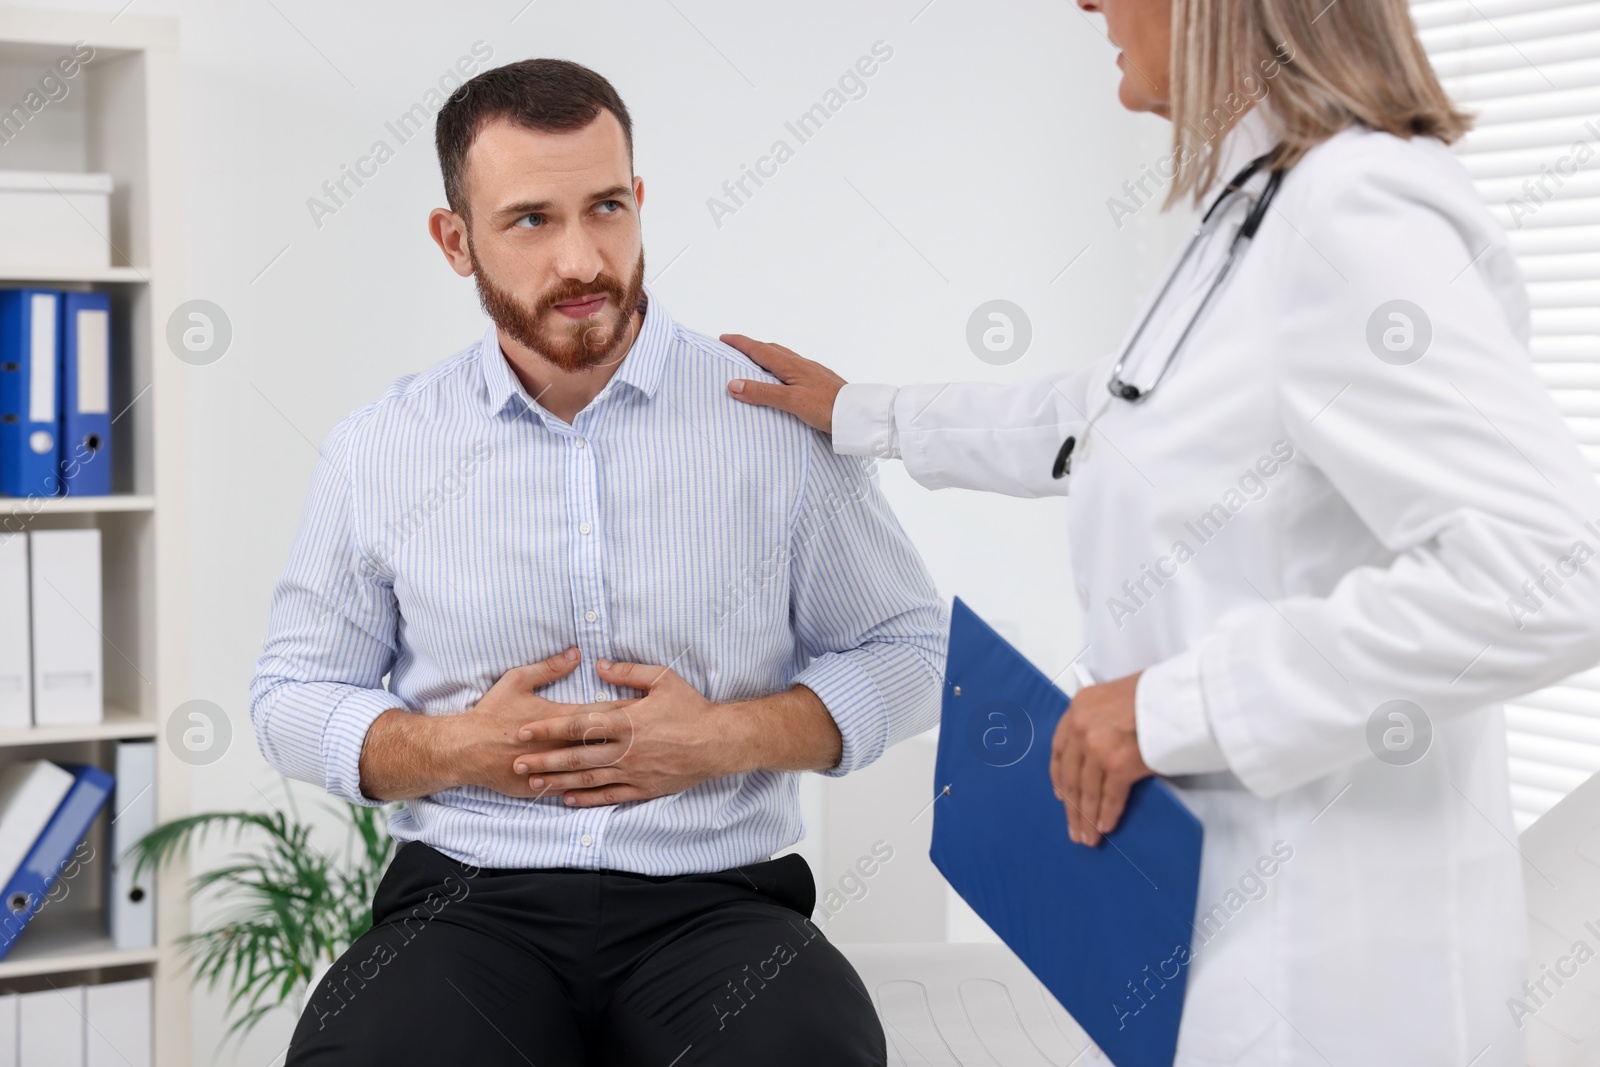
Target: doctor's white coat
point(1349, 490)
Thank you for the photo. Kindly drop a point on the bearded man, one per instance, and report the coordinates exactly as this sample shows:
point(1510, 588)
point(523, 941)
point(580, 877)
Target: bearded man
point(588, 618)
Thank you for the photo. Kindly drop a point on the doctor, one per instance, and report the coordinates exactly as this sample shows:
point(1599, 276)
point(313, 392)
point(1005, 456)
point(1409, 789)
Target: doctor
point(1327, 520)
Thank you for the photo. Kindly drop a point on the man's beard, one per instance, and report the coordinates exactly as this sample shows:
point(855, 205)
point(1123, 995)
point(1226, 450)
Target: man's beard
point(573, 344)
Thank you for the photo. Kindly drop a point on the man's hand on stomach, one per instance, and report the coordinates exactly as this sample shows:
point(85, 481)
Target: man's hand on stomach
point(409, 754)
point(671, 739)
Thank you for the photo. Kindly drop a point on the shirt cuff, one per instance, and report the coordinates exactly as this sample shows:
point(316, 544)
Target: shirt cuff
point(858, 709)
point(863, 421)
point(1170, 716)
point(342, 737)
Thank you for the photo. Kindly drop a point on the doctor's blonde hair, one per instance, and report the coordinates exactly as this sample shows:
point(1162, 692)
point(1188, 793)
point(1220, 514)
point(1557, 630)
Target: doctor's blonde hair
point(1319, 66)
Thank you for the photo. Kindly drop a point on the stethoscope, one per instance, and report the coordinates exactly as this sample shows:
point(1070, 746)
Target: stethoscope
point(1133, 394)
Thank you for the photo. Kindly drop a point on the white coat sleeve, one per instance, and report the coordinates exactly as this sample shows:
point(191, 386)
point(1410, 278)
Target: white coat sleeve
point(1458, 462)
point(969, 435)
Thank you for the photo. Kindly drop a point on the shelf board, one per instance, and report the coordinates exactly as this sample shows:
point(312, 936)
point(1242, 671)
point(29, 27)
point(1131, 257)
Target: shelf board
point(77, 505)
point(76, 944)
point(30, 275)
point(118, 724)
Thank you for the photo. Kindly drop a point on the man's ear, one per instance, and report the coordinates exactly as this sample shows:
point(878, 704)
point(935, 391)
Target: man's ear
point(449, 232)
point(638, 192)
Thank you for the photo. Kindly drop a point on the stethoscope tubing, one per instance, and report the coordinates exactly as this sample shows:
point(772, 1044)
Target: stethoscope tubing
point(1123, 390)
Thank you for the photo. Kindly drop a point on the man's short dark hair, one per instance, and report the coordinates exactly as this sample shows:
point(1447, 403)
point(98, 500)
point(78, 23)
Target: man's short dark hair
point(553, 95)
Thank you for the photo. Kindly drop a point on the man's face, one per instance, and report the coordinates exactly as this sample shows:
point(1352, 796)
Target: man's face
point(554, 238)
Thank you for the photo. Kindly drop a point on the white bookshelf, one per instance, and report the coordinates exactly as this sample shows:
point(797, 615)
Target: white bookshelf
point(119, 724)
point(80, 945)
point(70, 276)
point(122, 116)
point(77, 505)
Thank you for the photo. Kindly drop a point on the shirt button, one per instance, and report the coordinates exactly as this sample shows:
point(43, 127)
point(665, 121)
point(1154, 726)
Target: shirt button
point(591, 615)
point(587, 839)
point(578, 442)
point(584, 527)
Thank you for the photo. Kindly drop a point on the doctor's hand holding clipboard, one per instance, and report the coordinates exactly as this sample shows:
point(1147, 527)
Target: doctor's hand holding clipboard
point(1094, 756)
point(1304, 488)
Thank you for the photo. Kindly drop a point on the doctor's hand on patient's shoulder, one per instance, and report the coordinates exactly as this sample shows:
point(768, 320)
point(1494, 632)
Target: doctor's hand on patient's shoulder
point(808, 388)
point(667, 741)
point(409, 754)
point(1094, 758)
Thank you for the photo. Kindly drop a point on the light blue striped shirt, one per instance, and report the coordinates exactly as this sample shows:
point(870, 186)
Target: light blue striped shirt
point(456, 529)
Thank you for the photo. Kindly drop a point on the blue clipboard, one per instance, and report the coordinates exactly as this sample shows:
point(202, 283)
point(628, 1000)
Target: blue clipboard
point(1106, 929)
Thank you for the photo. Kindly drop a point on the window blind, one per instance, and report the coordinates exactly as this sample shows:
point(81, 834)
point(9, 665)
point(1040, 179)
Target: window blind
point(1530, 71)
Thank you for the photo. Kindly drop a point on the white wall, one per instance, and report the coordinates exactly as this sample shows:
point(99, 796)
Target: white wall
point(976, 166)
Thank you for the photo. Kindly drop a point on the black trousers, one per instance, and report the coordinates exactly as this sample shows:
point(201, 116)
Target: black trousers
point(561, 968)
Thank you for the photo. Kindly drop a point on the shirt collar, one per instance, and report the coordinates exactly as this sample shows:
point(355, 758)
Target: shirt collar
point(642, 368)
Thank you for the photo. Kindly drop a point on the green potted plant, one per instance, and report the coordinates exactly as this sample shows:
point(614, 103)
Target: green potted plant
point(289, 908)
